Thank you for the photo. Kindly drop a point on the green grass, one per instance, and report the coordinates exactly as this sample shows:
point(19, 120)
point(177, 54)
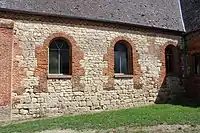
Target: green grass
point(144, 116)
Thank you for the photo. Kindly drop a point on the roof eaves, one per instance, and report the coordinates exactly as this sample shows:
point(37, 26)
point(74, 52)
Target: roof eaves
point(89, 19)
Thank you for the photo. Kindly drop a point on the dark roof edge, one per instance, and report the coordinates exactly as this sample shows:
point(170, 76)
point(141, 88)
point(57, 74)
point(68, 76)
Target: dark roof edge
point(90, 19)
point(181, 13)
point(191, 32)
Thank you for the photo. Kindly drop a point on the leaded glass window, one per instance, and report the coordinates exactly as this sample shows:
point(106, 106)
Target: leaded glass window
point(121, 59)
point(59, 57)
point(169, 59)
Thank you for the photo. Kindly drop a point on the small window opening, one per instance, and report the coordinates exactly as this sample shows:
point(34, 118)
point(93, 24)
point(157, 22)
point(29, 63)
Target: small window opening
point(197, 63)
point(121, 59)
point(169, 60)
point(59, 57)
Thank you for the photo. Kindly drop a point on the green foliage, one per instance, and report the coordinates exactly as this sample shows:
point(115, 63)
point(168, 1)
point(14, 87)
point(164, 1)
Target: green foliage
point(144, 116)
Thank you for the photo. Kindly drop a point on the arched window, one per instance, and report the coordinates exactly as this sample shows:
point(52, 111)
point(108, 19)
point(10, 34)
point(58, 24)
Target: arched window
point(59, 57)
point(197, 63)
point(121, 59)
point(169, 59)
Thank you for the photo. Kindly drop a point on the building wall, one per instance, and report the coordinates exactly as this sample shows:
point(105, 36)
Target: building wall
point(6, 40)
point(92, 86)
point(192, 79)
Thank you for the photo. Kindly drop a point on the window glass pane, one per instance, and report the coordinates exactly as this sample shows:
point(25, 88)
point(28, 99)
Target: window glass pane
point(169, 63)
point(117, 62)
point(53, 46)
point(169, 59)
point(121, 62)
point(64, 61)
point(124, 63)
point(197, 64)
point(198, 69)
point(121, 58)
point(59, 44)
point(59, 57)
point(64, 45)
point(53, 62)
point(120, 47)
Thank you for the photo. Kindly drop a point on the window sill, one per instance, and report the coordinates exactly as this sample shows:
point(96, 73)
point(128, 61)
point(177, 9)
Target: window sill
point(57, 76)
point(123, 76)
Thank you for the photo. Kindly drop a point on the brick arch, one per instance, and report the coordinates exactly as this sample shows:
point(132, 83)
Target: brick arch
point(162, 59)
point(69, 39)
point(133, 59)
point(42, 62)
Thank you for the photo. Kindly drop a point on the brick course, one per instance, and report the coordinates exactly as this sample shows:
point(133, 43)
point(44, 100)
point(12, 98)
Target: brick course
point(6, 40)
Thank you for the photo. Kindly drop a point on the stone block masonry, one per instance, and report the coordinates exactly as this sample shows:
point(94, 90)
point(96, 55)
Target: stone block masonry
point(86, 90)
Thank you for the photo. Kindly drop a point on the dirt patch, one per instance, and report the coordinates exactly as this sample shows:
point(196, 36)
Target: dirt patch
point(150, 129)
point(165, 129)
point(68, 131)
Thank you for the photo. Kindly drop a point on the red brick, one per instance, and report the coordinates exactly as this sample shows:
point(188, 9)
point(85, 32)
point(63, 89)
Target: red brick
point(6, 38)
point(18, 73)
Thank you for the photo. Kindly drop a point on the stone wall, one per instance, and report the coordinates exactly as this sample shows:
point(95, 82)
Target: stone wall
point(35, 94)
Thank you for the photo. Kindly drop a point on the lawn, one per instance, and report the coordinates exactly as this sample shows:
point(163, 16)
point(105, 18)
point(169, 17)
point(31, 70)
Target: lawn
point(143, 116)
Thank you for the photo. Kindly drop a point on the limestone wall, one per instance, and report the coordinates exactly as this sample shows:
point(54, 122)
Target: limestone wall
point(86, 90)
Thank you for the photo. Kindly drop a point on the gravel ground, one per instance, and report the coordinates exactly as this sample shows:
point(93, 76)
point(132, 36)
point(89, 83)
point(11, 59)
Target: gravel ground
point(151, 129)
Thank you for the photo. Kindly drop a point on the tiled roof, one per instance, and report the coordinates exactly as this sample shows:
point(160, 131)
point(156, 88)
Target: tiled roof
point(152, 13)
point(191, 14)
